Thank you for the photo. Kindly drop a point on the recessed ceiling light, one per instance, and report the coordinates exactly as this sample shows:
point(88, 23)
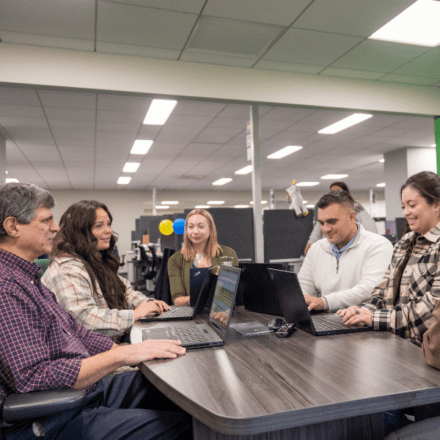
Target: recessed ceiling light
point(345, 123)
point(241, 206)
point(131, 167)
point(284, 152)
point(124, 180)
point(159, 111)
point(417, 24)
point(141, 146)
point(433, 145)
point(223, 181)
point(170, 202)
point(245, 170)
point(263, 202)
point(304, 201)
point(11, 180)
point(382, 161)
point(162, 207)
point(202, 206)
point(307, 184)
point(334, 176)
point(381, 185)
point(216, 202)
point(6, 172)
point(310, 206)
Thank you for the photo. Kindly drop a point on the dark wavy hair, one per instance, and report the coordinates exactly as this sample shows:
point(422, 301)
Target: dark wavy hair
point(341, 185)
point(75, 238)
point(427, 184)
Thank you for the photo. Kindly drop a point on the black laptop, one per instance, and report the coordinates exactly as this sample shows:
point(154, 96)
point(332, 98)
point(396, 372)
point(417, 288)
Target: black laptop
point(203, 300)
point(213, 333)
point(256, 288)
point(196, 277)
point(295, 311)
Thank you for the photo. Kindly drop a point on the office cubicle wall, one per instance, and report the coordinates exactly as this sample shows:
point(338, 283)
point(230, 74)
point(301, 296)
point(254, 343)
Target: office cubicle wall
point(235, 229)
point(400, 226)
point(137, 231)
point(285, 234)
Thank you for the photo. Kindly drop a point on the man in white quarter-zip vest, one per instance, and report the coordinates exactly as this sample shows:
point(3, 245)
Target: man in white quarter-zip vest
point(343, 268)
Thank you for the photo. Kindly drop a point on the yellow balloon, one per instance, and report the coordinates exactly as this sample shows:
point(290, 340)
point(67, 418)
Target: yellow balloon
point(166, 227)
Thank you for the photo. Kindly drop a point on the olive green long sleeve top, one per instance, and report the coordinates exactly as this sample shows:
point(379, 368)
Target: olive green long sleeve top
point(178, 270)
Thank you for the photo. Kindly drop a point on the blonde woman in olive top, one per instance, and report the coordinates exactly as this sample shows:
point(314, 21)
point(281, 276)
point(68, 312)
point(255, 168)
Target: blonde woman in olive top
point(200, 249)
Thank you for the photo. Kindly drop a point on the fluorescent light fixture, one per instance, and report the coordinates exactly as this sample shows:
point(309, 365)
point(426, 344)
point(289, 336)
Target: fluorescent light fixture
point(11, 180)
point(162, 207)
point(380, 185)
point(170, 203)
point(216, 202)
point(334, 176)
point(304, 201)
point(345, 123)
point(159, 111)
point(131, 167)
point(417, 25)
point(310, 206)
point(382, 161)
point(241, 206)
point(245, 170)
point(202, 206)
point(284, 152)
point(263, 202)
point(307, 184)
point(223, 181)
point(6, 172)
point(141, 146)
point(433, 146)
point(124, 180)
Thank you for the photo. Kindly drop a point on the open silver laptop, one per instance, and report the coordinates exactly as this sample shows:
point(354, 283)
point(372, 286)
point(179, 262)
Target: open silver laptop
point(213, 333)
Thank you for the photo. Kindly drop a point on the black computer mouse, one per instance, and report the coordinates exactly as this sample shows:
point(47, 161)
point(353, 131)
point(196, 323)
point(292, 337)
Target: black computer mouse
point(275, 324)
point(285, 331)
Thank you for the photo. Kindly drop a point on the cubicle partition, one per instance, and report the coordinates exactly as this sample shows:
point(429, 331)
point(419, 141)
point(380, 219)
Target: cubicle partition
point(235, 229)
point(285, 234)
point(400, 227)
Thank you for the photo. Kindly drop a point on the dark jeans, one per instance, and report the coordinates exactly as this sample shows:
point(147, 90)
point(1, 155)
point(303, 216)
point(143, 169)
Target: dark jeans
point(125, 406)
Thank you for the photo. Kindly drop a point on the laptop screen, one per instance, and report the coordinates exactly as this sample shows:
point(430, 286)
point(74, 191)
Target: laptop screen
point(224, 298)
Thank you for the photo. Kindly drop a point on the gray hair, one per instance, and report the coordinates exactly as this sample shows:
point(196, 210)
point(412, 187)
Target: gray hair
point(21, 200)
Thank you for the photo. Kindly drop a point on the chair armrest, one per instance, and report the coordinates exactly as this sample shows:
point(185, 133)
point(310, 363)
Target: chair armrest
point(18, 407)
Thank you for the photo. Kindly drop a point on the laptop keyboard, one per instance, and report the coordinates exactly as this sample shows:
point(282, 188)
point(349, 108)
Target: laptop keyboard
point(177, 312)
point(188, 335)
point(322, 325)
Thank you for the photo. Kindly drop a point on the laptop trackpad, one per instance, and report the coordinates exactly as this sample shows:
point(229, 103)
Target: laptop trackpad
point(155, 333)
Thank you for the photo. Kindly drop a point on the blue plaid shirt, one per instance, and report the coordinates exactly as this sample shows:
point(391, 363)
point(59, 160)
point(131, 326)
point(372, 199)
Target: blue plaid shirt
point(41, 344)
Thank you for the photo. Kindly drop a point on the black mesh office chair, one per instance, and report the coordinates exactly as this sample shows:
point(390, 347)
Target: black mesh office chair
point(16, 408)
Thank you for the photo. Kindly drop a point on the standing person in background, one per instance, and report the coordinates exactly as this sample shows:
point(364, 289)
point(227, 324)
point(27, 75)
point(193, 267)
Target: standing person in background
point(84, 274)
point(200, 249)
point(362, 217)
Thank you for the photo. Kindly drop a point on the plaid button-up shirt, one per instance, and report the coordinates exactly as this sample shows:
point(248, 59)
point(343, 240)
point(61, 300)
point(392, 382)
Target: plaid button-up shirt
point(419, 288)
point(41, 346)
point(67, 277)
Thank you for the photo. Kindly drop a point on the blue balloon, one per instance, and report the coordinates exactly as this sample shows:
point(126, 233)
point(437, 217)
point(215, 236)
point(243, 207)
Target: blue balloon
point(179, 226)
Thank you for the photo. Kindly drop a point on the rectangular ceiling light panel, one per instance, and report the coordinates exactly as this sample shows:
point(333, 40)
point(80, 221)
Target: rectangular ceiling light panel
point(345, 123)
point(141, 146)
point(418, 25)
point(159, 111)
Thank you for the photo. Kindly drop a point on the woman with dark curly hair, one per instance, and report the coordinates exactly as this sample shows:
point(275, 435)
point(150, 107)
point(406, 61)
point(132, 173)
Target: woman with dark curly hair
point(84, 273)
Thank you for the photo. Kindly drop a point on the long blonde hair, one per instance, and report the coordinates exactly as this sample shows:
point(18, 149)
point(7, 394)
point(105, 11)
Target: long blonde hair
point(212, 247)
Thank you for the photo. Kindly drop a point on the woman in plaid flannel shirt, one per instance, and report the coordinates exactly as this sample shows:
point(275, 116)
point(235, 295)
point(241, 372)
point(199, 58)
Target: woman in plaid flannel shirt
point(404, 301)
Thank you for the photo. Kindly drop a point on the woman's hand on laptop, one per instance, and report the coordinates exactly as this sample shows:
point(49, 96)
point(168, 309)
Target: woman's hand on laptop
point(356, 315)
point(147, 307)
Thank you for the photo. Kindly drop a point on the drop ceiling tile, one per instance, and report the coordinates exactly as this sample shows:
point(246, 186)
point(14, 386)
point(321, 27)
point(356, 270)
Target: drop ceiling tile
point(354, 17)
point(63, 134)
point(180, 129)
point(25, 111)
point(198, 108)
point(61, 124)
point(286, 114)
point(279, 12)
point(141, 26)
point(192, 6)
point(121, 127)
point(120, 116)
point(108, 101)
point(18, 96)
point(311, 47)
point(80, 100)
point(188, 120)
point(379, 56)
point(136, 50)
point(149, 132)
point(426, 65)
point(220, 59)
point(350, 73)
point(49, 17)
point(16, 122)
point(71, 114)
point(175, 137)
point(287, 67)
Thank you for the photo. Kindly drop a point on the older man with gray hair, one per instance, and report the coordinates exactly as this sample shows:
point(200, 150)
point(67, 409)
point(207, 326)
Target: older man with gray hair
point(43, 347)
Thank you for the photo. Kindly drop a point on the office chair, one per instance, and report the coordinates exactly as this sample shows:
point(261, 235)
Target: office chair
point(16, 408)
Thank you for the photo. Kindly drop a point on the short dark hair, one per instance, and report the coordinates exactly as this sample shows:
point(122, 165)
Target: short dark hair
point(341, 185)
point(21, 201)
point(427, 184)
point(338, 197)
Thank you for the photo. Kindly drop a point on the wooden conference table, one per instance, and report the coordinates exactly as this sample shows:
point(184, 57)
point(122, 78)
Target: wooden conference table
point(303, 387)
